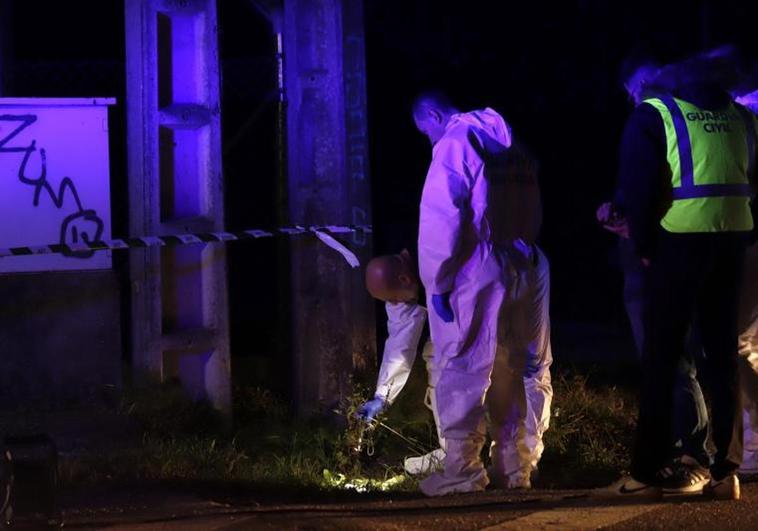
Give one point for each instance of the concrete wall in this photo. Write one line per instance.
(60, 336)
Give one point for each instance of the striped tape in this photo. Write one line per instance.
(173, 240)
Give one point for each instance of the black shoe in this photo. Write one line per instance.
(683, 476)
(628, 487)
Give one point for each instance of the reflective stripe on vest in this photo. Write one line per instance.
(710, 187)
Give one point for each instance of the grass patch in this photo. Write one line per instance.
(590, 433)
(269, 450)
(177, 439)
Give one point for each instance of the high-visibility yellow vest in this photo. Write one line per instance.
(711, 154)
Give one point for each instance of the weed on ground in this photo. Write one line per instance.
(590, 432)
(267, 450)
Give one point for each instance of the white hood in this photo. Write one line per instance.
(488, 122)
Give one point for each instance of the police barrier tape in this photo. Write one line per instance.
(322, 232)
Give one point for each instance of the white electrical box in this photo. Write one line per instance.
(54, 180)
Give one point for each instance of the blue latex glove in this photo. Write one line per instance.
(441, 305)
(371, 409)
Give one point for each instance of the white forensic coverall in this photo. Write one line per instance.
(748, 341)
(405, 323)
(467, 248)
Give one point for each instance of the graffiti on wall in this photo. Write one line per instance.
(81, 225)
(54, 181)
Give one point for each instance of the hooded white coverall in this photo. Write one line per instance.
(467, 248)
(748, 341)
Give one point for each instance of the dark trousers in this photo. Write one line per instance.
(694, 279)
(689, 421)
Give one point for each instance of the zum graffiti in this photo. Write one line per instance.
(83, 225)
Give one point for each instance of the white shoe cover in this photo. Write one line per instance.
(519, 481)
(424, 464)
(463, 472)
(515, 480)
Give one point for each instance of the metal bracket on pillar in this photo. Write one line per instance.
(185, 116)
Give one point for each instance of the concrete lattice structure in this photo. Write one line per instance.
(179, 295)
(179, 301)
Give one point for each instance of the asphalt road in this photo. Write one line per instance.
(491, 510)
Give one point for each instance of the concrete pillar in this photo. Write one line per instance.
(179, 295)
(333, 332)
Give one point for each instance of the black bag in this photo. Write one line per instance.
(34, 460)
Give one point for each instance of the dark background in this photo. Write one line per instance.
(551, 69)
